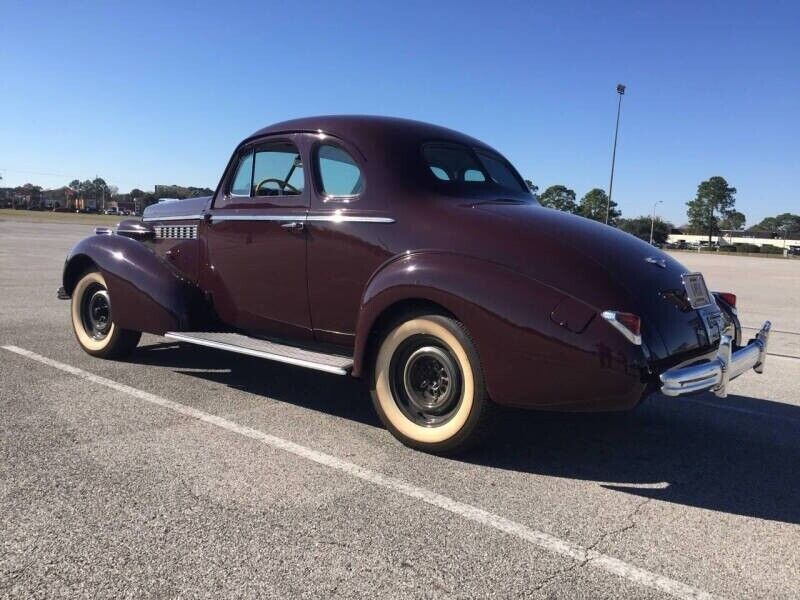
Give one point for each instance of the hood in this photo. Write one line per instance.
(190, 208)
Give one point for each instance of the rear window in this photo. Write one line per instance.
(461, 164)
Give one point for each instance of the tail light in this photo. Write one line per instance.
(627, 324)
(728, 298)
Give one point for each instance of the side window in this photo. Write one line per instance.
(243, 177)
(338, 172)
(278, 171)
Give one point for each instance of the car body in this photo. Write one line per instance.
(369, 240)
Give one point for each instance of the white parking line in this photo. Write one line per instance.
(588, 557)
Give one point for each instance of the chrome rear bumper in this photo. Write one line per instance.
(715, 374)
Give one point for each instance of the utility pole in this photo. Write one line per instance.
(621, 92)
(653, 220)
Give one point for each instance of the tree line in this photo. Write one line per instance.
(592, 205)
(711, 212)
(93, 192)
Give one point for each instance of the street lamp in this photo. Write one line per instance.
(621, 92)
(653, 220)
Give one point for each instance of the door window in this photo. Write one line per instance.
(278, 171)
(339, 175)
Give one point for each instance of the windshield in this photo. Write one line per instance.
(463, 165)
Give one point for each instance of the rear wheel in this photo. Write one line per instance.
(428, 386)
(93, 323)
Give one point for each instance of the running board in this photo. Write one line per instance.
(242, 344)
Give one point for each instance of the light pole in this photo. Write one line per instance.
(621, 92)
(653, 220)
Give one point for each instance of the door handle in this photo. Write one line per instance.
(293, 225)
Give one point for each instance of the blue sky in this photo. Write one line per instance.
(144, 93)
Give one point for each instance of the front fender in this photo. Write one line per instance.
(147, 293)
(527, 357)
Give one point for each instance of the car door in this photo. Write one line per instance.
(256, 241)
(350, 232)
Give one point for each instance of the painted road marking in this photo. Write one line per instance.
(551, 543)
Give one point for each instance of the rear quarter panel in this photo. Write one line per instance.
(528, 359)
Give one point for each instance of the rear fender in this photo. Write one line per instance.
(147, 293)
(528, 357)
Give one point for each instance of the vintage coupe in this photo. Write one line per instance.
(416, 258)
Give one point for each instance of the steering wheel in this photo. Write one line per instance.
(283, 185)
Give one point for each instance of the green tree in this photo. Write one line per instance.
(713, 196)
(593, 206)
(532, 186)
(148, 198)
(559, 197)
(640, 227)
(87, 189)
(733, 220)
(786, 224)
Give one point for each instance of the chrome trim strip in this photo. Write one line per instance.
(715, 374)
(257, 353)
(314, 218)
(217, 218)
(349, 219)
(173, 218)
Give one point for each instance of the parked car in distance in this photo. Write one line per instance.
(793, 251)
(415, 258)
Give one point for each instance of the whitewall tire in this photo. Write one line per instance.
(92, 320)
(428, 386)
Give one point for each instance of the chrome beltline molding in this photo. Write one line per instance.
(303, 218)
(349, 219)
(312, 218)
(174, 218)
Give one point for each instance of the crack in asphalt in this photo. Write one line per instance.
(579, 564)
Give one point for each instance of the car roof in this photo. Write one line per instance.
(366, 130)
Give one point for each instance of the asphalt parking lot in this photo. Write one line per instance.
(193, 472)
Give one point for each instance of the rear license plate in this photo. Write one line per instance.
(696, 290)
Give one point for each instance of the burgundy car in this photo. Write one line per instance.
(416, 258)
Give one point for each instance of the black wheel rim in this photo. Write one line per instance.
(96, 311)
(426, 381)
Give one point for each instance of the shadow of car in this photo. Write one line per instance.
(738, 455)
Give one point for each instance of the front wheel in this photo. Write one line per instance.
(93, 323)
(428, 385)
